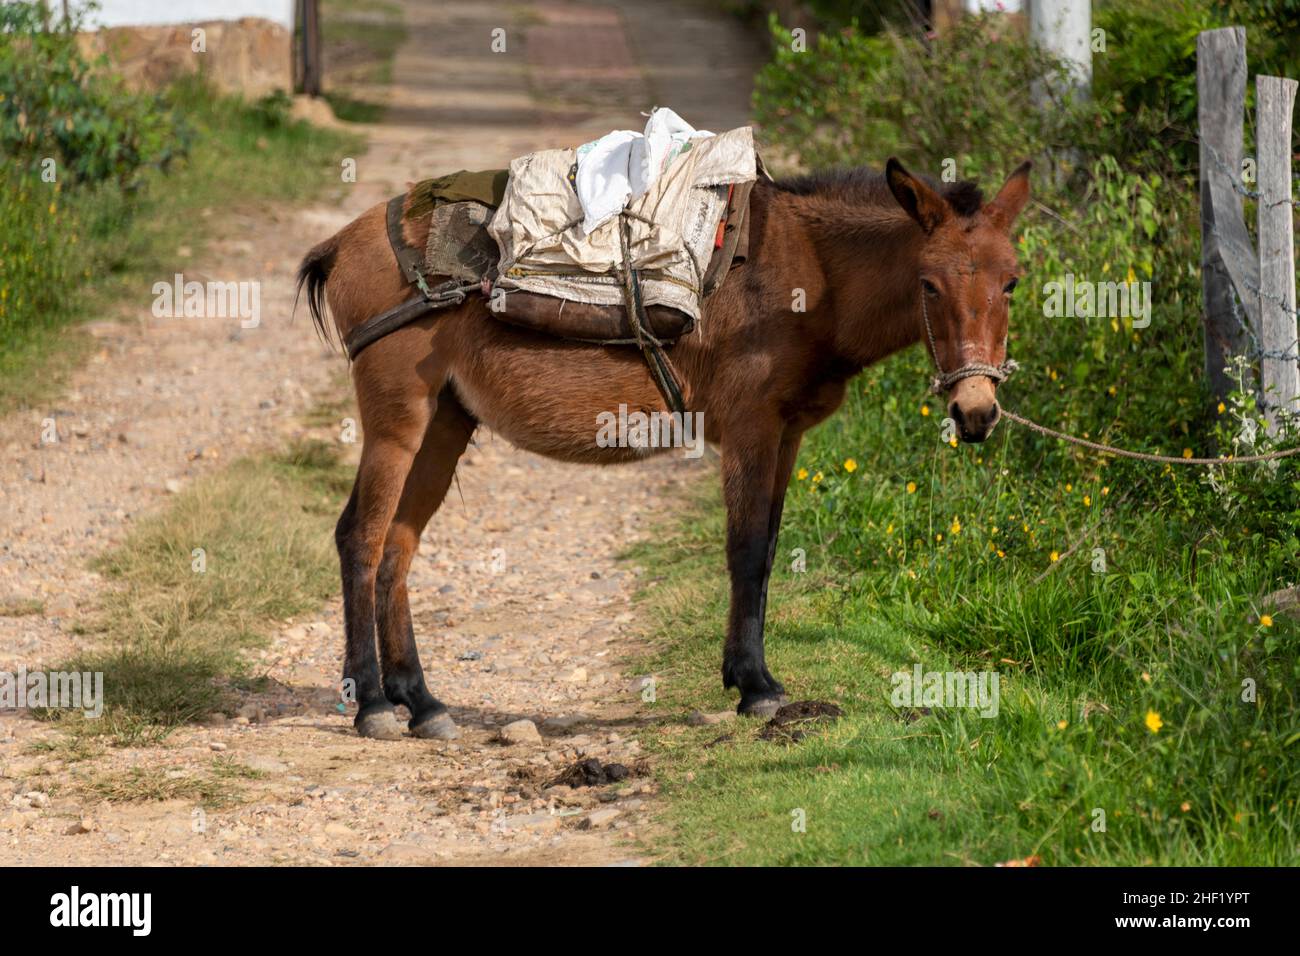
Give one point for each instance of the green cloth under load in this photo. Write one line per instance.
(486, 186)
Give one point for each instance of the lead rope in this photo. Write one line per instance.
(1143, 456)
(1000, 373)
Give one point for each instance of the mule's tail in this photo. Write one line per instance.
(312, 276)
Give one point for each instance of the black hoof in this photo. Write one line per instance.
(437, 726)
(378, 725)
(763, 707)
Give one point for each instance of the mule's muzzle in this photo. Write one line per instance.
(975, 422)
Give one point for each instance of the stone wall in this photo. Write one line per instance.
(251, 56)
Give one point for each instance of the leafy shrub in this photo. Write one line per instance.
(855, 98)
(54, 104)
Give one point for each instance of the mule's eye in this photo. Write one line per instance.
(1010, 287)
(930, 288)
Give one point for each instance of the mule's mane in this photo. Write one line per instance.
(862, 185)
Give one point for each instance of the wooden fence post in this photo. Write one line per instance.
(307, 57)
(1279, 373)
(1226, 253)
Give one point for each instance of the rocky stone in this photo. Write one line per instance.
(562, 724)
(536, 822)
(520, 732)
(600, 818)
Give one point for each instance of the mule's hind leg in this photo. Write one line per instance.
(426, 486)
(391, 442)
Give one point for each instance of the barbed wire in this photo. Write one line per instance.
(1242, 188)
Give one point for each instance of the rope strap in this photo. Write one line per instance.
(1143, 456)
(999, 373)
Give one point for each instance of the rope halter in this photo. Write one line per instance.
(946, 380)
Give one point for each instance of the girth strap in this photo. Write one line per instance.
(652, 350)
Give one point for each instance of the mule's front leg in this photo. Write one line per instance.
(754, 479)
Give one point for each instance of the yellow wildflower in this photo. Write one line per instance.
(1153, 722)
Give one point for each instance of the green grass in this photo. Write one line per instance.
(170, 639)
(1172, 628)
(360, 40)
(148, 783)
(95, 250)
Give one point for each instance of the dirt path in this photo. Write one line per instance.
(521, 609)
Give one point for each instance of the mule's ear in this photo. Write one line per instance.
(921, 202)
(1011, 198)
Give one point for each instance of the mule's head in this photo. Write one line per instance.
(968, 270)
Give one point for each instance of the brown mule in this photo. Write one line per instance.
(843, 270)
